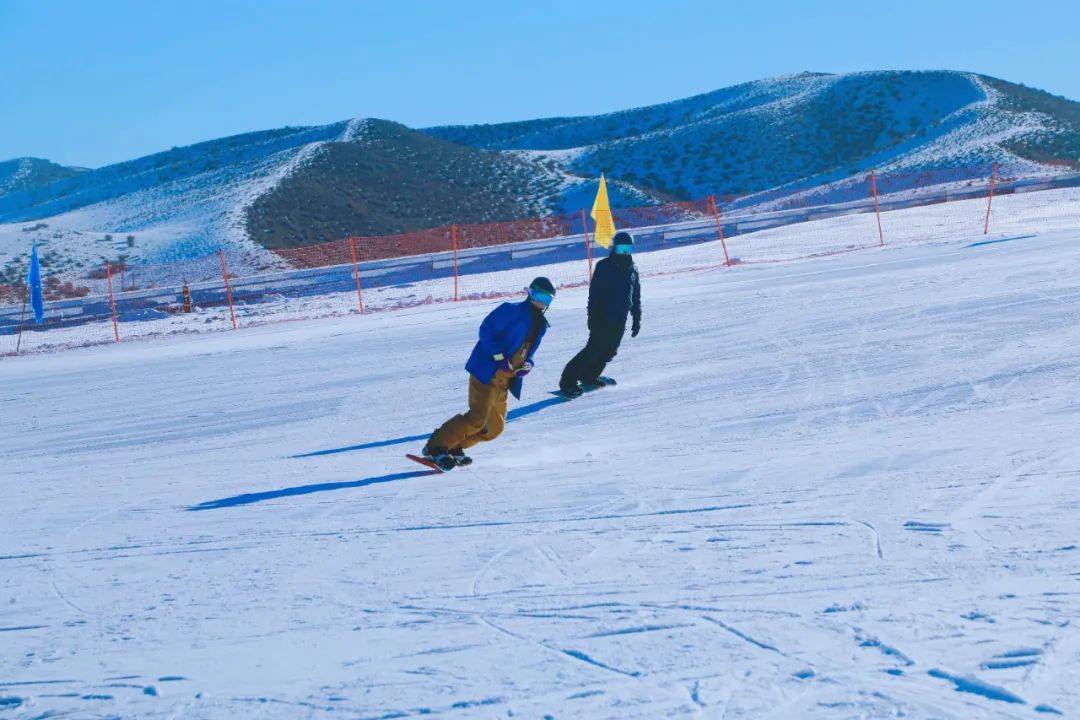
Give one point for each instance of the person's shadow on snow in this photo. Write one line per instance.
(249, 498)
(511, 416)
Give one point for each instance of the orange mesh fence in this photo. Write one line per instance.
(470, 261)
(420, 242)
(674, 236)
(498, 259)
(853, 189)
(348, 276)
(406, 270)
(78, 311)
(77, 308)
(950, 202)
(958, 203)
(115, 302)
(974, 178)
(335, 252)
(670, 213)
(999, 205)
(474, 236)
(944, 204)
(762, 233)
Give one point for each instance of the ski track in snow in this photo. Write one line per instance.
(837, 488)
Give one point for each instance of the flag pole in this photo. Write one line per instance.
(22, 318)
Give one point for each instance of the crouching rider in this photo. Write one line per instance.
(509, 338)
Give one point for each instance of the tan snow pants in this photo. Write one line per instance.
(485, 418)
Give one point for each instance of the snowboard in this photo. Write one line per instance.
(429, 464)
(604, 382)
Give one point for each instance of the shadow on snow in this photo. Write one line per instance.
(249, 498)
(511, 416)
(363, 446)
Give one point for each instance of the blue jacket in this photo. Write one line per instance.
(502, 333)
(614, 292)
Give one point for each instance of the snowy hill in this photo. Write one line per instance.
(182, 203)
(1060, 141)
(807, 129)
(277, 188)
(27, 173)
(830, 489)
(390, 179)
(300, 185)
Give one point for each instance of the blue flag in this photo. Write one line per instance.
(33, 280)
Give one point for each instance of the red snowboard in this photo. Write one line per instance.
(425, 462)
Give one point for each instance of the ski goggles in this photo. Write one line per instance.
(624, 249)
(541, 297)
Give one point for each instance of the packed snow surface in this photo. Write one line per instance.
(845, 487)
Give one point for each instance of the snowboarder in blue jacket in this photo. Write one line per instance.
(503, 355)
(614, 293)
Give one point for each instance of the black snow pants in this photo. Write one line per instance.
(601, 347)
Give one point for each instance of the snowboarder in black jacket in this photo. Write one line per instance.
(614, 293)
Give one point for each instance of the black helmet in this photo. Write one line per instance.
(622, 238)
(543, 285)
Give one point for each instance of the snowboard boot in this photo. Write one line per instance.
(439, 456)
(573, 391)
(460, 458)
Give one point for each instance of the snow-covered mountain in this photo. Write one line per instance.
(388, 178)
(294, 186)
(807, 129)
(29, 172)
(281, 188)
(177, 204)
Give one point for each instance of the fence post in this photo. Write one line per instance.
(588, 244)
(228, 287)
(719, 228)
(112, 302)
(990, 199)
(22, 318)
(453, 241)
(877, 208)
(356, 273)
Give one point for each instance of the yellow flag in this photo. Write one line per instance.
(601, 215)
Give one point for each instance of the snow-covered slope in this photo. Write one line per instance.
(25, 173)
(801, 130)
(280, 188)
(179, 204)
(389, 179)
(300, 185)
(831, 489)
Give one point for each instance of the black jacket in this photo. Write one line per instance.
(615, 291)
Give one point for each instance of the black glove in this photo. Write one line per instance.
(635, 328)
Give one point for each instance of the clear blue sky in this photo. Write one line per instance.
(98, 81)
